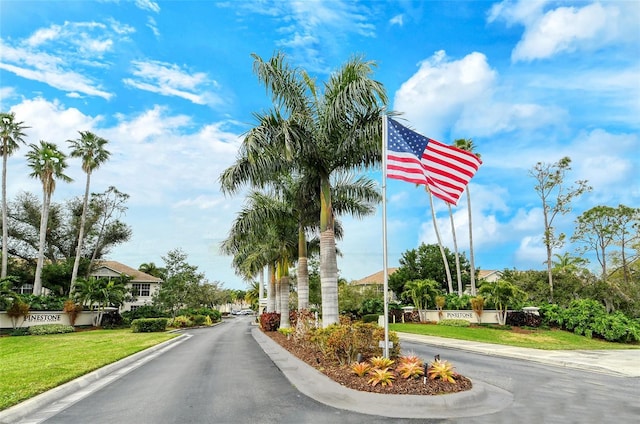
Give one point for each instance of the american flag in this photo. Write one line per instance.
(412, 157)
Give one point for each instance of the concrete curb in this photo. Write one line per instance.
(481, 400)
(29, 406)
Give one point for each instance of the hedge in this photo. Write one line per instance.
(149, 325)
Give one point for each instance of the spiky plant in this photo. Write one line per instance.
(441, 370)
(410, 369)
(360, 368)
(383, 376)
(381, 362)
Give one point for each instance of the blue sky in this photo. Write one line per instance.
(170, 85)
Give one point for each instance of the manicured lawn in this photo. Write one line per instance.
(538, 339)
(30, 365)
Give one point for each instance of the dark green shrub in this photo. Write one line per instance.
(581, 314)
(146, 311)
(198, 320)
(455, 302)
(39, 330)
(44, 303)
(552, 315)
(616, 327)
(149, 325)
(270, 321)
(370, 318)
(523, 319)
(214, 314)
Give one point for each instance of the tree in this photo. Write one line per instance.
(102, 292)
(556, 199)
(420, 292)
(467, 144)
(445, 262)
(111, 205)
(425, 263)
(335, 129)
(182, 280)
(90, 148)
(152, 269)
(501, 294)
(47, 164)
(12, 135)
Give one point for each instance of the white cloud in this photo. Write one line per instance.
(567, 29)
(169, 80)
(397, 20)
(149, 5)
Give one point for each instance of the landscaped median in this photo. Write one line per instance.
(34, 364)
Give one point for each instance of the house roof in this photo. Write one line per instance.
(118, 268)
(489, 274)
(376, 278)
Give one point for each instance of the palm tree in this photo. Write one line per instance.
(152, 269)
(442, 252)
(90, 148)
(335, 129)
(455, 249)
(467, 144)
(47, 164)
(12, 135)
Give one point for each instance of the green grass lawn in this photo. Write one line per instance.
(538, 339)
(30, 365)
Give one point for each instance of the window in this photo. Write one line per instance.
(141, 289)
(24, 289)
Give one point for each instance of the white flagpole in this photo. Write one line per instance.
(384, 237)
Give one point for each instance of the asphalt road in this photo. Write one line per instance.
(545, 394)
(221, 375)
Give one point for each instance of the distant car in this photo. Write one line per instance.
(246, 312)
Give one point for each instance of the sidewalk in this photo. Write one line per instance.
(621, 363)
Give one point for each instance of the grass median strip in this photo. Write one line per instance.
(537, 338)
(31, 365)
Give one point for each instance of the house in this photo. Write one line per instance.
(143, 286)
(374, 280)
(490, 276)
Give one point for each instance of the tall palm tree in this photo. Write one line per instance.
(12, 135)
(90, 148)
(440, 245)
(455, 249)
(152, 269)
(467, 144)
(47, 164)
(335, 127)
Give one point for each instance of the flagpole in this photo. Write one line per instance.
(384, 237)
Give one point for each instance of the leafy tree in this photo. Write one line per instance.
(47, 164)
(11, 133)
(90, 148)
(425, 263)
(152, 269)
(109, 229)
(314, 130)
(556, 199)
(181, 282)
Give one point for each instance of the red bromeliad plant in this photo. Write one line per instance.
(360, 368)
(442, 370)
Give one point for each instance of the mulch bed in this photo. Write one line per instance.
(344, 376)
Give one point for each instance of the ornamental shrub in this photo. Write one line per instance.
(198, 320)
(581, 314)
(370, 318)
(616, 327)
(39, 330)
(270, 321)
(149, 325)
(523, 319)
(182, 321)
(454, 322)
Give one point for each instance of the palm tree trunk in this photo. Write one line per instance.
(328, 261)
(444, 256)
(271, 289)
(44, 218)
(303, 271)
(471, 255)
(5, 231)
(260, 289)
(83, 218)
(284, 302)
(455, 248)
